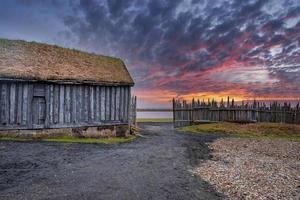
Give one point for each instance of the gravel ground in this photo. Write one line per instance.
(253, 169)
(156, 166)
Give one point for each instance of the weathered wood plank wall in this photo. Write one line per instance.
(66, 105)
(185, 114)
(132, 111)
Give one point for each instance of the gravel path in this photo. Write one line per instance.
(156, 166)
(245, 168)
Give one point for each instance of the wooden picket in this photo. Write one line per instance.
(185, 114)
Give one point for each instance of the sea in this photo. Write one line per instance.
(152, 114)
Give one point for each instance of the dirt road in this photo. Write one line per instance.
(156, 166)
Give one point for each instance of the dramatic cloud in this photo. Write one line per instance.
(191, 48)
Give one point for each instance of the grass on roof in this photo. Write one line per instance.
(46, 47)
(257, 130)
(38, 61)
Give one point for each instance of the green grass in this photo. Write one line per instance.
(15, 139)
(257, 130)
(4, 42)
(154, 120)
(73, 140)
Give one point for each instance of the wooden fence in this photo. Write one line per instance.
(185, 114)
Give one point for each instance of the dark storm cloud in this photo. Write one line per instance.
(104, 18)
(176, 44)
(293, 12)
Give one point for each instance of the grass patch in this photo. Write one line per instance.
(15, 139)
(257, 130)
(74, 140)
(154, 120)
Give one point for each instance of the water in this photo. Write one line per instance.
(154, 115)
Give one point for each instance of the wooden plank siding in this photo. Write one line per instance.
(102, 101)
(67, 105)
(25, 104)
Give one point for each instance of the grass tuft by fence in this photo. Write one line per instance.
(197, 111)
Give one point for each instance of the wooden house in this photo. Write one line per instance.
(47, 87)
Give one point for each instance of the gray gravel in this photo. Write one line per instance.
(247, 168)
(156, 166)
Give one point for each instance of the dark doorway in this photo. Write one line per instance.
(39, 112)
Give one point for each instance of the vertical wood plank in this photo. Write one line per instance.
(95, 103)
(74, 104)
(107, 101)
(12, 103)
(117, 110)
(82, 103)
(86, 104)
(4, 103)
(126, 104)
(61, 103)
(97, 108)
(51, 103)
(91, 102)
(47, 111)
(56, 99)
(29, 107)
(67, 104)
(25, 104)
(100, 103)
(102, 93)
(19, 103)
(121, 104)
(113, 103)
(79, 104)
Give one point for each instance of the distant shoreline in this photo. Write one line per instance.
(154, 110)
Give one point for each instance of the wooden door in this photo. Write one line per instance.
(39, 112)
(39, 106)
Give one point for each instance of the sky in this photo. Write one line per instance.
(176, 48)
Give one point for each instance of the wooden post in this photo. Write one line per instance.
(192, 111)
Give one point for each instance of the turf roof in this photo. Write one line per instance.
(36, 61)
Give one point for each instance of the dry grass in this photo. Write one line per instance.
(31, 60)
(257, 130)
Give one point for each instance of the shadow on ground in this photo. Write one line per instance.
(155, 166)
